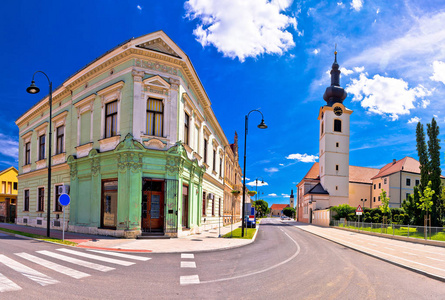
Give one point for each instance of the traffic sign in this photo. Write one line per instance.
(64, 199)
(359, 210)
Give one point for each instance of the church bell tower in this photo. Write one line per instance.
(334, 140)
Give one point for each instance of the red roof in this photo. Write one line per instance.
(279, 206)
(313, 173)
(407, 164)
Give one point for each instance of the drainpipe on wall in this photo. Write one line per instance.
(400, 199)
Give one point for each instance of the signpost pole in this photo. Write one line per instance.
(63, 226)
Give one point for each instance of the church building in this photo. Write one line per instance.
(332, 181)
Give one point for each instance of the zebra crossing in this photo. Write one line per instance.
(47, 260)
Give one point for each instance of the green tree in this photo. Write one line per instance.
(423, 156)
(426, 202)
(415, 214)
(261, 207)
(434, 170)
(289, 212)
(384, 208)
(342, 211)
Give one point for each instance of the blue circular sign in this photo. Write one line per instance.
(64, 199)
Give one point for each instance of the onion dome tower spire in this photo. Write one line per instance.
(335, 93)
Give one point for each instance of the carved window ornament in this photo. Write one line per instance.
(110, 94)
(156, 85)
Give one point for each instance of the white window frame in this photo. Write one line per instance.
(59, 120)
(84, 106)
(110, 94)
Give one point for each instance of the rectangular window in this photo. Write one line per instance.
(205, 150)
(374, 186)
(380, 185)
(85, 128)
(27, 153)
(408, 182)
(186, 128)
(337, 144)
(337, 125)
(109, 204)
(57, 206)
(220, 166)
(407, 195)
(41, 200)
(60, 136)
(417, 182)
(384, 180)
(42, 147)
(197, 139)
(15, 185)
(374, 199)
(336, 167)
(214, 160)
(379, 198)
(9, 188)
(26, 200)
(111, 119)
(203, 203)
(155, 117)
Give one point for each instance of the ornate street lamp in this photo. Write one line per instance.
(256, 184)
(33, 89)
(262, 125)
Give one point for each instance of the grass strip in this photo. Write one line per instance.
(402, 231)
(39, 237)
(236, 234)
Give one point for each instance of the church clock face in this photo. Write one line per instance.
(338, 111)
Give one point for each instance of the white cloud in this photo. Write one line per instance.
(414, 120)
(9, 146)
(247, 178)
(377, 11)
(271, 170)
(359, 69)
(385, 95)
(139, 7)
(316, 51)
(282, 165)
(241, 29)
(345, 71)
(438, 71)
(436, 116)
(425, 103)
(303, 157)
(357, 4)
(285, 195)
(340, 3)
(272, 195)
(253, 183)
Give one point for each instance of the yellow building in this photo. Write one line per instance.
(8, 194)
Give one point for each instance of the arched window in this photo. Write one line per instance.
(337, 125)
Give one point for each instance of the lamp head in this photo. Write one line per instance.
(262, 181)
(33, 89)
(262, 125)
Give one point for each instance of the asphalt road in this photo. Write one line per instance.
(284, 262)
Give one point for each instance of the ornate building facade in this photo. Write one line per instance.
(136, 143)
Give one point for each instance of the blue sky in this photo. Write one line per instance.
(253, 54)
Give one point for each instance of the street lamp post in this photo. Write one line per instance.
(262, 125)
(256, 185)
(33, 89)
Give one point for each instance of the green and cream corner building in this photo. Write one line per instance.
(135, 144)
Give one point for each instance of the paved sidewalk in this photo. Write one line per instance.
(206, 241)
(424, 259)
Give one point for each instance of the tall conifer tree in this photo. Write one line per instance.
(434, 169)
(423, 156)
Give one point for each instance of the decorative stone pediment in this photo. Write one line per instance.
(155, 143)
(177, 149)
(129, 144)
(158, 45)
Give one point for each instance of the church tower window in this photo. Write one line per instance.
(337, 125)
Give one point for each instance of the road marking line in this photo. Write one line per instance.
(434, 258)
(26, 271)
(97, 257)
(76, 261)
(53, 266)
(188, 264)
(7, 285)
(264, 270)
(409, 253)
(388, 248)
(193, 279)
(187, 255)
(123, 255)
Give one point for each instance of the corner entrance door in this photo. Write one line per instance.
(152, 211)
